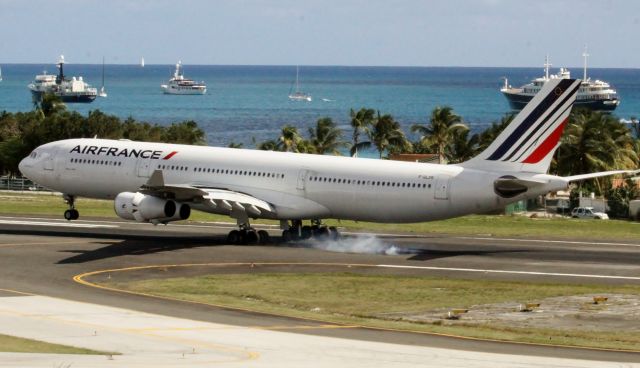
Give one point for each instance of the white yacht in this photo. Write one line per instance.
(179, 85)
(593, 94)
(298, 95)
(102, 92)
(69, 90)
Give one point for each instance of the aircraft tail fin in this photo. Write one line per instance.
(530, 140)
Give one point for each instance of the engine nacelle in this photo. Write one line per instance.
(182, 212)
(145, 208)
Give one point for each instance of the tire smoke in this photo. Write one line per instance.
(363, 244)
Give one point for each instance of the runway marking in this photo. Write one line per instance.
(511, 272)
(207, 225)
(549, 241)
(266, 328)
(54, 223)
(17, 292)
(80, 279)
(43, 243)
(42, 221)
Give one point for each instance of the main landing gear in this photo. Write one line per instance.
(247, 235)
(71, 213)
(296, 231)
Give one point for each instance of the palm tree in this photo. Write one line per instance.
(487, 136)
(387, 135)
(361, 121)
(305, 146)
(268, 145)
(463, 148)
(326, 137)
(289, 139)
(592, 142)
(50, 104)
(440, 134)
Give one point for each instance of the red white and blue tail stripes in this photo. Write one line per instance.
(528, 143)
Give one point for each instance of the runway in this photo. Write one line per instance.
(40, 256)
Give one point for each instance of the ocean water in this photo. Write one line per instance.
(247, 104)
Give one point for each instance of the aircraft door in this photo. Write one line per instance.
(302, 179)
(442, 187)
(144, 168)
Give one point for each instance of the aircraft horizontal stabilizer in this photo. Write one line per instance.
(598, 175)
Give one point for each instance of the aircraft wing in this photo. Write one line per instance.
(216, 200)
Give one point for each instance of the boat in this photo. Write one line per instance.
(298, 95)
(0, 74)
(179, 85)
(142, 62)
(593, 94)
(68, 90)
(102, 92)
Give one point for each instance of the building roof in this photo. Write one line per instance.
(414, 157)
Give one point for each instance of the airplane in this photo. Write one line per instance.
(160, 183)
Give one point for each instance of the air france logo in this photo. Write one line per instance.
(121, 152)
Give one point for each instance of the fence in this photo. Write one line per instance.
(7, 183)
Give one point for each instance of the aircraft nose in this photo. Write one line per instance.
(23, 167)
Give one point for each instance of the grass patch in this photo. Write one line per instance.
(502, 226)
(369, 300)
(12, 344)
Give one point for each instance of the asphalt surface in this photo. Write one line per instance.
(42, 255)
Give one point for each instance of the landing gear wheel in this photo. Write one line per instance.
(322, 233)
(71, 214)
(251, 237)
(333, 233)
(233, 237)
(263, 237)
(306, 232)
(287, 236)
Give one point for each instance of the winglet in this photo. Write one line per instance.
(156, 179)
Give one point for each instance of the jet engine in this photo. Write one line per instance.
(146, 208)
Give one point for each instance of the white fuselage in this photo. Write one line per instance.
(299, 186)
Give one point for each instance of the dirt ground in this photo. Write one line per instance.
(620, 312)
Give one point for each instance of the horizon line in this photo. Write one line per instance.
(323, 65)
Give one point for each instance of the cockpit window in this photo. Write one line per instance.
(33, 154)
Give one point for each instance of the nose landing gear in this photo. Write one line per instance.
(71, 213)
